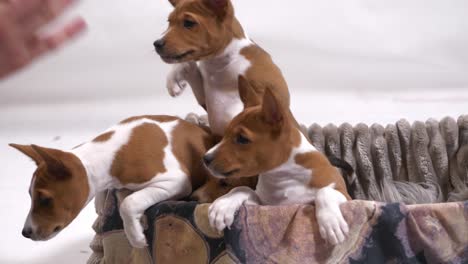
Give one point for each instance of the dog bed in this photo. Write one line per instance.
(413, 176)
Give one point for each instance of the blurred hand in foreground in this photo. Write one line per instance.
(20, 38)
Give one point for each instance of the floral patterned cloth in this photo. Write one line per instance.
(178, 232)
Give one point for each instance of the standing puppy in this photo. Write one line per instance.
(210, 50)
(265, 140)
(158, 157)
(206, 31)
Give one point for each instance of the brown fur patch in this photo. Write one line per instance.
(159, 118)
(189, 145)
(263, 73)
(215, 188)
(142, 157)
(323, 173)
(104, 137)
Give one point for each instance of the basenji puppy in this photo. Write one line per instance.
(210, 50)
(264, 140)
(207, 32)
(157, 157)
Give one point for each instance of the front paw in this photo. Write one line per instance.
(175, 87)
(180, 77)
(333, 228)
(221, 214)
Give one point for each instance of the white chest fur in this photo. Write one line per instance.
(220, 75)
(288, 183)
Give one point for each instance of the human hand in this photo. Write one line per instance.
(20, 23)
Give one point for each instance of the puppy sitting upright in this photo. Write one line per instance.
(207, 32)
(158, 157)
(265, 140)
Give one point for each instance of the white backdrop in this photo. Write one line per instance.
(345, 61)
(319, 44)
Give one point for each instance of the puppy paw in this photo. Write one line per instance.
(203, 120)
(175, 87)
(333, 228)
(192, 118)
(221, 213)
(179, 78)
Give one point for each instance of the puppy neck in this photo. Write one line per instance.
(235, 40)
(287, 183)
(285, 169)
(97, 182)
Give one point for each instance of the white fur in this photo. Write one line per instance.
(287, 184)
(222, 211)
(97, 158)
(332, 225)
(219, 75)
(213, 149)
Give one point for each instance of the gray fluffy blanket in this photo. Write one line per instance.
(402, 162)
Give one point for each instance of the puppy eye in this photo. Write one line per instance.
(241, 140)
(44, 201)
(189, 24)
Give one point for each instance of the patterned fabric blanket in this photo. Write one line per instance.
(178, 232)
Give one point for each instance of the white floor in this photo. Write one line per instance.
(66, 125)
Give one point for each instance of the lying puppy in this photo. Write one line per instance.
(265, 140)
(158, 157)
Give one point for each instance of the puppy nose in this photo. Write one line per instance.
(159, 44)
(207, 159)
(27, 232)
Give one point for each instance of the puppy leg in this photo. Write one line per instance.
(222, 212)
(133, 207)
(184, 74)
(333, 227)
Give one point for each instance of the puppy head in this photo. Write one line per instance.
(197, 29)
(215, 188)
(259, 139)
(59, 190)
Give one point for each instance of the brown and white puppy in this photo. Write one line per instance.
(211, 50)
(157, 157)
(266, 141)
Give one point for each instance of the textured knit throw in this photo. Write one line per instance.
(418, 163)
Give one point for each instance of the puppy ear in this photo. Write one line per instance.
(174, 2)
(55, 166)
(219, 7)
(247, 94)
(28, 151)
(272, 109)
